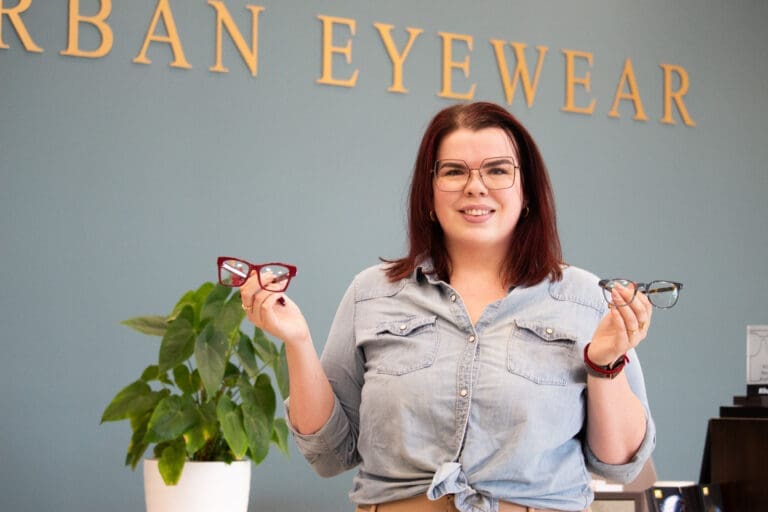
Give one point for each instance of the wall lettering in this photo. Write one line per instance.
(224, 20)
(329, 22)
(14, 16)
(397, 58)
(98, 21)
(336, 38)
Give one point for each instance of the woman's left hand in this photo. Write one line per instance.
(623, 328)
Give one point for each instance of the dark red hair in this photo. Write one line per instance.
(534, 252)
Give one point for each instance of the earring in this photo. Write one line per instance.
(526, 211)
(432, 216)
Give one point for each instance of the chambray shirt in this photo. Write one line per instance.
(426, 402)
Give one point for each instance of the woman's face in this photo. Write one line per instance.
(476, 216)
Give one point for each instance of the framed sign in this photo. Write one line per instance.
(757, 355)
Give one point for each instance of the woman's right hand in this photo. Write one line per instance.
(274, 312)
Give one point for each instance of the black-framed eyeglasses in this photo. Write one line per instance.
(661, 294)
(496, 173)
(275, 276)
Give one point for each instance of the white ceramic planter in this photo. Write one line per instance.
(203, 487)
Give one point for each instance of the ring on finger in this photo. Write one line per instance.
(641, 326)
(246, 308)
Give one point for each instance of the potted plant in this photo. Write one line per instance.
(207, 398)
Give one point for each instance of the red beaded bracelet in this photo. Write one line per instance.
(607, 372)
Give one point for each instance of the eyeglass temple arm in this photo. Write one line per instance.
(643, 287)
(675, 286)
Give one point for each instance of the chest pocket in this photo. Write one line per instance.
(406, 345)
(544, 354)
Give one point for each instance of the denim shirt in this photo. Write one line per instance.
(426, 402)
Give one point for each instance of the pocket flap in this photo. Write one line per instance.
(406, 326)
(547, 332)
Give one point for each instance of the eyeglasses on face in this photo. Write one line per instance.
(496, 173)
(661, 294)
(275, 277)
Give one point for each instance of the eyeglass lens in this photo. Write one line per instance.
(235, 273)
(662, 294)
(274, 278)
(496, 173)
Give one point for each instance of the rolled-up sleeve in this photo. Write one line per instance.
(330, 450)
(333, 449)
(625, 473)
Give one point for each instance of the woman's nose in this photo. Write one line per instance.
(475, 184)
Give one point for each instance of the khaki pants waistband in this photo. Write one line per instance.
(445, 504)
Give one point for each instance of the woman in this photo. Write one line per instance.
(457, 377)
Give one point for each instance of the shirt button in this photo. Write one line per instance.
(463, 392)
(471, 339)
(550, 330)
(403, 327)
(453, 297)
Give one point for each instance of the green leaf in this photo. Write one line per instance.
(183, 379)
(230, 317)
(188, 299)
(173, 416)
(231, 419)
(153, 325)
(171, 462)
(137, 446)
(133, 400)
(231, 374)
(280, 367)
(179, 341)
(234, 337)
(209, 421)
(202, 293)
(258, 432)
(280, 435)
(258, 414)
(211, 358)
(197, 383)
(265, 349)
(276, 359)
(194, 439)
(194, 299)
(158, 450)
(150, 373)
(247, 356)
(265, 395)
(206, 429)
(214, 302)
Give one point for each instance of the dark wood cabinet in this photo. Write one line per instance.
(736, 458)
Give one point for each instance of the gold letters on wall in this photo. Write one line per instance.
(456, 82)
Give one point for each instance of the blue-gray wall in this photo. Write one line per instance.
(120, 183)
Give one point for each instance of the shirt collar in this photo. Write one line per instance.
(425, 269)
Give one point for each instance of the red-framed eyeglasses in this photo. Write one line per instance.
(275, 276)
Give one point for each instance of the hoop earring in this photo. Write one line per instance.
(432, 216)
(526, 211)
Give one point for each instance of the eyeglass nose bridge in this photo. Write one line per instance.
(480, 176)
